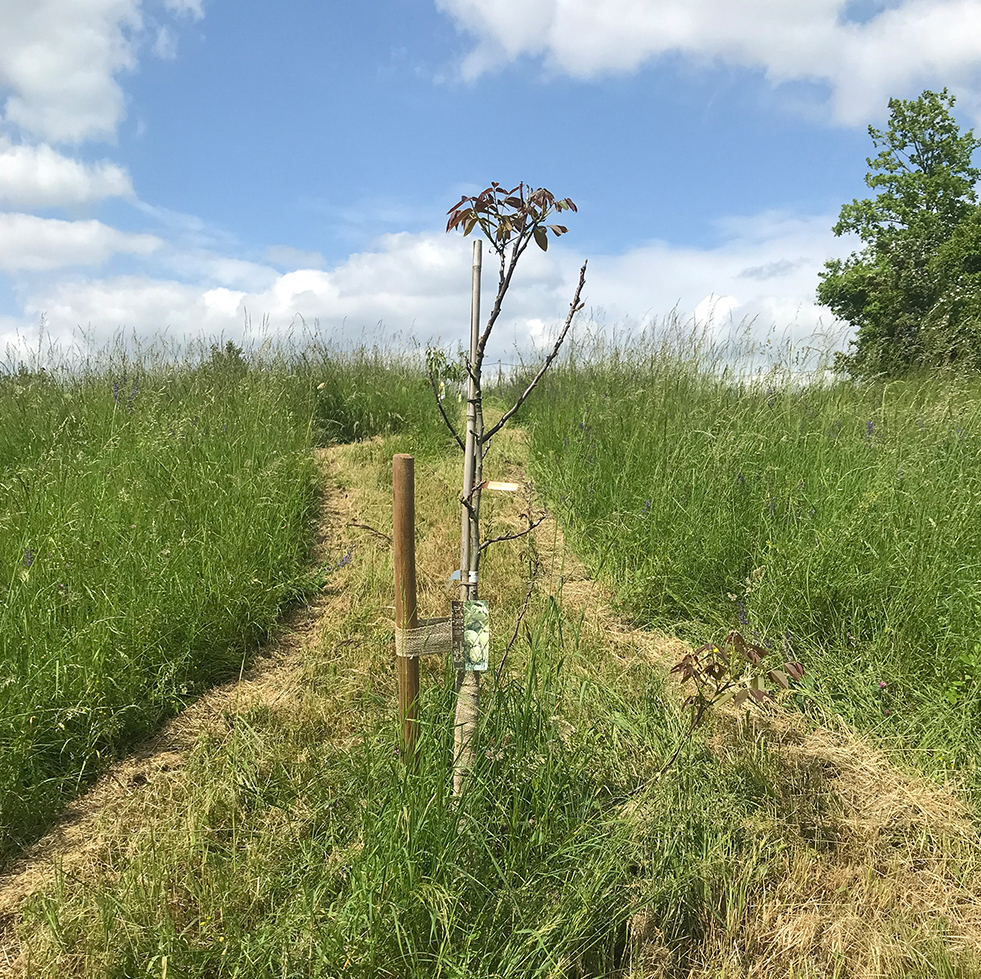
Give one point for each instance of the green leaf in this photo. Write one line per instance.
(541, 238)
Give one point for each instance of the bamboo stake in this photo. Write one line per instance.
(406, 617)
(468, 681)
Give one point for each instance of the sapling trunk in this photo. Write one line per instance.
(510, 223)
(468, 681)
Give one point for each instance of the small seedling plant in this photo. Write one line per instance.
(510, 220)
(734, 670)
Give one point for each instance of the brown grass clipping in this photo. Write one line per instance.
(876, 872)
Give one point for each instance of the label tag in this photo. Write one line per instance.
(476, 636)
(493, 484)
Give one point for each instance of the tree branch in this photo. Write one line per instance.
(364, 526)
(515, 536)
(521, 243)
(439, 404)
(514, 635)
(574, 308)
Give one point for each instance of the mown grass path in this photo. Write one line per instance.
(270, 830)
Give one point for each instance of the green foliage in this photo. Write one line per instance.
(151, 529)
(840, 524)
(155, 519)
(366, 392)
(911, 291)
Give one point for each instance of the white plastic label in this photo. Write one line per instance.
(476, 635)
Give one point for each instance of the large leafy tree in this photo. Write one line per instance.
(911, 291)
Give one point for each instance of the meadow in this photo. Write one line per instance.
(156, 520)
(837, 523)
(830, 521)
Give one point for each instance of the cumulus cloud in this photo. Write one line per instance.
(764, 269)
(34, 244)
(418, 285)
(60, 59)
(865, 52)
(59, 62)
(38, 176)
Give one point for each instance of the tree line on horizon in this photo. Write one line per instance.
(913, 291)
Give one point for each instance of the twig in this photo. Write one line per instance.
(439, 404)
(514, 635)
(364, 526)
(630, 793)
(574, 308)
(503, 283)
(515, 536)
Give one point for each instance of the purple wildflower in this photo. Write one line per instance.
(741, 612)
(28, 556)
(345, 561)
(869, 428)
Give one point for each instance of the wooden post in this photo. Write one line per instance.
(404, 539)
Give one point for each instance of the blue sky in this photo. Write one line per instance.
(189, 164)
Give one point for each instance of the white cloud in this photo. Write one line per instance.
(30, 243)
(59, 62)
(895, 47)
(165, 44)
(60, 58)
(713, 309)
(190, 7)
(38, 176)
(764, 267)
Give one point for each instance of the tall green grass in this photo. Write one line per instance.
(837, 521)
(156, 517)
(295, 843)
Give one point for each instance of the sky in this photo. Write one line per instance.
(204, 168)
